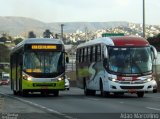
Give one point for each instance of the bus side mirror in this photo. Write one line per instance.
(154, 52)
(67, 59)
(105, 53)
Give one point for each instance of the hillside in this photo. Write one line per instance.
(21, 26)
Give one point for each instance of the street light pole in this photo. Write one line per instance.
(144, 18)
(62, 31)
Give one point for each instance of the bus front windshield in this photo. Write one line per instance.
(133, 60)
(49, 63)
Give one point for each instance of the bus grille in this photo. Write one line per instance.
(43, 84)
(129, 82)
(131, 87)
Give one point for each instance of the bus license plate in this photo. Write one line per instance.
(131, 90)
(127, 78)
(44, 87)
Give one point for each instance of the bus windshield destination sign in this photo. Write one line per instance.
(45, 47)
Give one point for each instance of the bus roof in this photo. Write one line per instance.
(118, 41)
(129, 41)
(38, 41)
(42, 41)
(103, 40)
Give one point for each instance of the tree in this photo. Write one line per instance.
(18, 40)
(31, 34)
(47, 34)
(4, 53)
(5, 37)
(155, 41)
(158, 36)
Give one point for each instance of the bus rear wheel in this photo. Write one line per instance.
(88, 91)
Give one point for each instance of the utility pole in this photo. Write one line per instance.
(62, 31)
(143, 18)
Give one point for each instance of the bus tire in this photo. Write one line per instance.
(86, 91)
(15, 92)
(140, 94)
(43, 93)
(102, 92)
(24, 93)
(93, 92)
(56, 93)
(154, 90)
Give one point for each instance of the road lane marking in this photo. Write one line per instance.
(152, 108)
(40, 106)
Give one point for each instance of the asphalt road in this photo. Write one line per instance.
(73, 104)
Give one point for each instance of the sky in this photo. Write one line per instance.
(83, 10)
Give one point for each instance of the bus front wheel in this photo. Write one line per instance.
(56, 93)
(15, 92)
(102, 92)
(24, 93)
(140, 94)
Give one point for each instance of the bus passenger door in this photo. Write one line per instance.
(19, 72)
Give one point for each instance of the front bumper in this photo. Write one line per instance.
(132, 87)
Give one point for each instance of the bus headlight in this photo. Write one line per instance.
(112, 79)
(149, 79)
(28, 78)
(60, 78)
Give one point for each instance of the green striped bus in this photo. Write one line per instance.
(38, 65)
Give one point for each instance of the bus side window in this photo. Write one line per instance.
(86, 54)
(91, 53)
(94, 54)
(83, 55)
(102, 50)
(98, 53)
(77, 55)
(80, 56)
